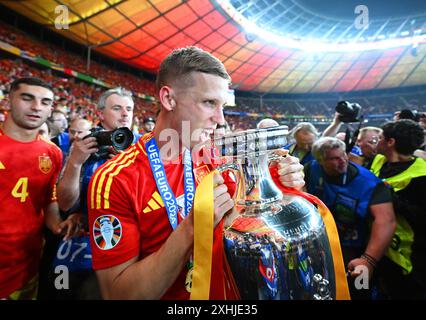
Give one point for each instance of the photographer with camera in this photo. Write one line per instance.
(115, 110)
(89, 150)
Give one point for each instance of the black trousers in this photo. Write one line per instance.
(395, 285)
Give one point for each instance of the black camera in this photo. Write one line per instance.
(349, 112)
(119, 139)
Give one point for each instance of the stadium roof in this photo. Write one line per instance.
(283, 46)
(335, 21)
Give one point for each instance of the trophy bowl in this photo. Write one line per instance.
(276, 244)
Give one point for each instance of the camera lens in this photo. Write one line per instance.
(120, 138)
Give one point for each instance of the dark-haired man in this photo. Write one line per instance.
(404, 269)
(405, 114)
(29, 167)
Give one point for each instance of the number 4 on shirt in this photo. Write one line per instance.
(20, 190)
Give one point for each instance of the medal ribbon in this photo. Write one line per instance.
(163, 186)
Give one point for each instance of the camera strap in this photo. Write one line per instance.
(350, 140)
(163, 186)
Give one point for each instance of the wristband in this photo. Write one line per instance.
(372, 261)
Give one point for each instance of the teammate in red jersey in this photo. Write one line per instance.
(140, 202)
(29, 167)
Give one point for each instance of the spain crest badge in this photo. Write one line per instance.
(44, 163)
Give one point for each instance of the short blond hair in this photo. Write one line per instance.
(183, 61)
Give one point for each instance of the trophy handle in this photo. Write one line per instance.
(226, 167)
(273, 156)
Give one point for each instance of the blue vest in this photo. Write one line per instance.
(89, 168)
(64, 143)
(348, 203)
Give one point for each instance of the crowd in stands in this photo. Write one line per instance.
(325, 156)
(75, 62)
(75, 95)
(325, 107)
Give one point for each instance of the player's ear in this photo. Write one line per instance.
(167, 99)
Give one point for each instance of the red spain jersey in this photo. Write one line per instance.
(28, 174)
(123, 195)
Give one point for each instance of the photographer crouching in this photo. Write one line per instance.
(89, 150)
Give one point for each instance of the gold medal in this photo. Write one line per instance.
(188, 280)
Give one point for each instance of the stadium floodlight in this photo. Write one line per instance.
(317, 45)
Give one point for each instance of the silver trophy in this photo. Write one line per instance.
(276, 244)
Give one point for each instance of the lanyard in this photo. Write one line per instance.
(163, 186)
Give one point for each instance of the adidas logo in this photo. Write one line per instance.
(154, 203)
